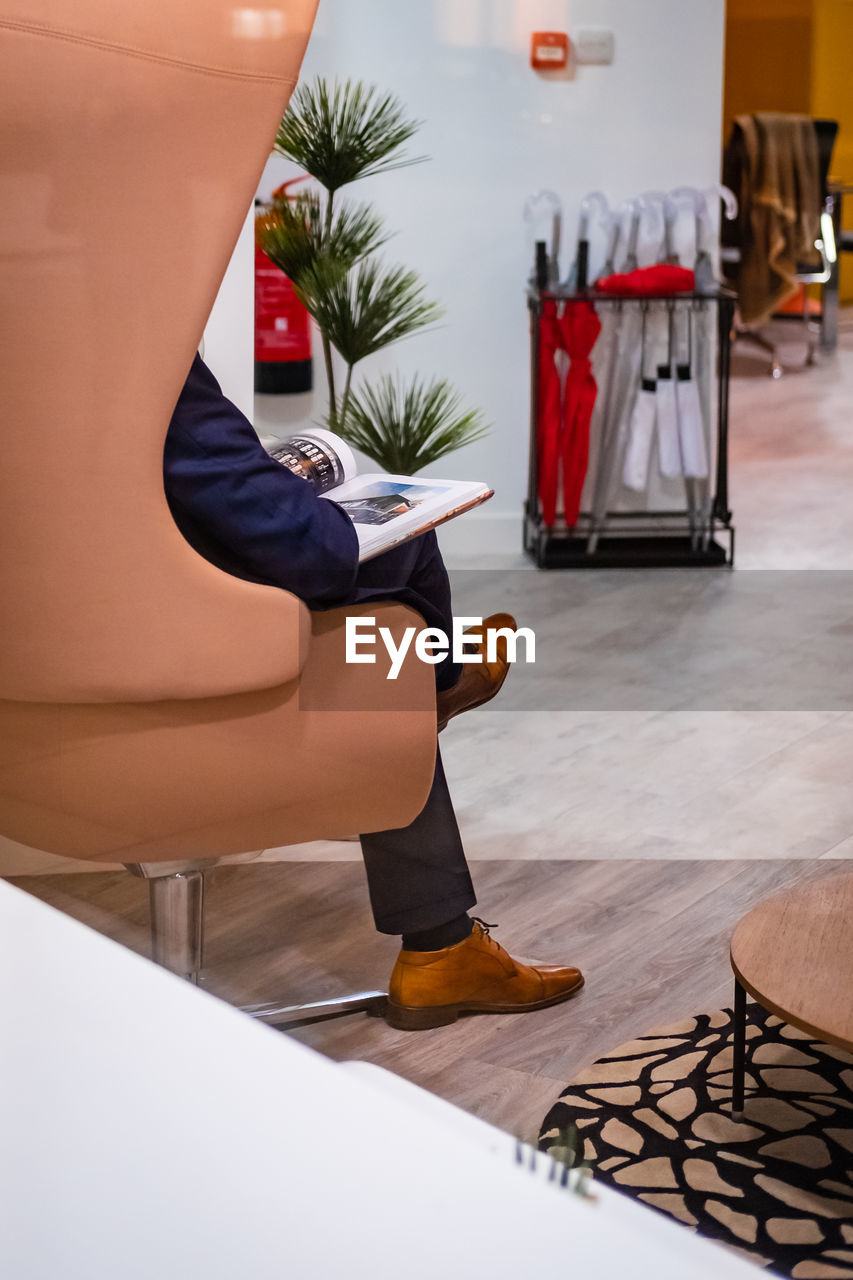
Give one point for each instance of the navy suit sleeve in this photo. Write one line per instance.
(268, 523)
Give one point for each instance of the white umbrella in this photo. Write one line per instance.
(635, 208)
(641, 428)
(578, 277)
(641, 437)
(683, 407)
(669, 442)
(623, 385)
(545, 209)
(694, 384)
(669, 436)
(614, 235)
(622, 380)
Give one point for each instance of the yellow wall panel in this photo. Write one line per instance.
(768, 57)
(832, 97)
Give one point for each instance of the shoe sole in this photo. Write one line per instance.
(411, 1018)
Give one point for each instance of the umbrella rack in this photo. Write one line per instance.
(626, 532)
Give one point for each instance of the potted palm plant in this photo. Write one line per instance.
(327, 246)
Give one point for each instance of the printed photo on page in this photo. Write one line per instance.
(385, 510)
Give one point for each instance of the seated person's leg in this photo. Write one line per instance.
(252, 517)
(449, 964)
(417, 875)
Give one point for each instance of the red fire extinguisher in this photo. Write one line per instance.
(282, 329)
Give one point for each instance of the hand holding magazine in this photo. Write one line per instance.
(385, 510)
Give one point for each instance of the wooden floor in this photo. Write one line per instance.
(651, 936)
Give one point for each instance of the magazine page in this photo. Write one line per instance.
(387, 510)
(318, 456)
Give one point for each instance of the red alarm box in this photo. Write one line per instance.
(549, 51)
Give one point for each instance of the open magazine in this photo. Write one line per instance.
(385, 510)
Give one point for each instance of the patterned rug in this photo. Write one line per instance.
(654, 1120)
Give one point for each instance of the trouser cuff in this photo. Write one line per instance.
(415, 919)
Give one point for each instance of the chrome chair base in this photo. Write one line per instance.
(275, 1015)
(176, 898)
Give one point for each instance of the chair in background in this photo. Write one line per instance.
(737, 235)
(154, 710)
(830, 319)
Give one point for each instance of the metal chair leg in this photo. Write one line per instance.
(177, 917)
(739, 1052)
(830, 296)
(176, 896)
(811, 331)
(278, 1015)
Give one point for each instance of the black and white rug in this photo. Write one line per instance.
(654, 1119)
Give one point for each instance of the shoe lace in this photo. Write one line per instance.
(485, 928)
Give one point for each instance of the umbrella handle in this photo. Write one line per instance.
(727, 196)
(700, 215)
(640, 207)
(631, 260)
(704, 244)
(614, 235)
(541, 265)
(582, 266)
(578, 277)
(670, 218)
(594, 198)
(543, 203)
(654, 199)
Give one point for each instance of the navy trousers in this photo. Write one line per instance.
(417, 876)
(250, 516)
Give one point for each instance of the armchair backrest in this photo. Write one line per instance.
(133, 138)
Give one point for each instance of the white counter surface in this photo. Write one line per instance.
(151, 1132)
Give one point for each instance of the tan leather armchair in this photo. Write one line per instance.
(155, 710)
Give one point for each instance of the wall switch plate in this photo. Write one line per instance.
(594, 46)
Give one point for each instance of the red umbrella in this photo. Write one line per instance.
(548, 410)
(564, 414)
(662, 277)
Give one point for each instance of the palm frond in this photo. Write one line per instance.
(292, 233)
(356, 231)
(405, 428)
(367, 308)
(344, 131)
(289, 232)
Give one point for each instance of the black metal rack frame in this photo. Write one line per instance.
(635, 538)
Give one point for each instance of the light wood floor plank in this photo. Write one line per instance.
(652, 938)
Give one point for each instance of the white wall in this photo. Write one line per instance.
(497, 131)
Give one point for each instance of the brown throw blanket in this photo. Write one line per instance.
(771, 163)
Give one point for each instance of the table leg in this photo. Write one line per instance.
(739, 1052)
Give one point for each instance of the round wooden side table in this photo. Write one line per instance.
(794, 955)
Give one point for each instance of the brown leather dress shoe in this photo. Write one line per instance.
(480, 681)
(432, 988)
